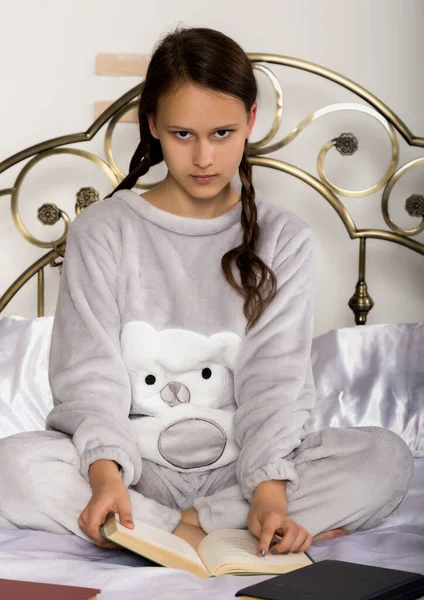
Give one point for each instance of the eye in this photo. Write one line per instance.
(182, 138)
(223, 131)
(150, 379)
(206, 373)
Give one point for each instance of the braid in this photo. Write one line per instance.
(147, 154)
(244, 255)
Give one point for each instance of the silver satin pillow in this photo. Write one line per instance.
(25, 395)
(368, 375)
(371, 375)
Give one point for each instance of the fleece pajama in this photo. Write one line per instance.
(150, 366)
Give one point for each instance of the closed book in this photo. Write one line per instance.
(336, 580)
(11, 589)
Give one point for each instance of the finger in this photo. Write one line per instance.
(300, 538)
(287, 539)
(306, 544)
(125, 514)
(274, 541)
(267, 535)
(96, 518)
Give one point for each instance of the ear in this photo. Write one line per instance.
(152, 126)
(252, 118)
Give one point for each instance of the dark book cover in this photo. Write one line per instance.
(11, 589)
(336, 580)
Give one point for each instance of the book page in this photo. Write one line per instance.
(238, 546)
(160, 538)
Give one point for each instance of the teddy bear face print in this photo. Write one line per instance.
(173, 367)
(183, 394)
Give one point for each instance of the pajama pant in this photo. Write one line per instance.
(348, 477)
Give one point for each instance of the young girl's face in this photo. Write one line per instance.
(202, 132)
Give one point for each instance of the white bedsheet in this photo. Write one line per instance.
(398, 543)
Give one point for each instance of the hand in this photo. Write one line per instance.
(267, 519)
(110, 495)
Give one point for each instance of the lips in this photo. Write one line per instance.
(203, 178)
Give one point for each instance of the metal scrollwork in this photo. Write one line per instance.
(414, 204)
(49, 215)
(346, 144)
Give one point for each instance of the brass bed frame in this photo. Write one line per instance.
(346, 143)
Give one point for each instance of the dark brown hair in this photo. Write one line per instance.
(208, 58)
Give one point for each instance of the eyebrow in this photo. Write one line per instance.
(214, 129)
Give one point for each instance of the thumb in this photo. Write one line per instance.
(125, 514)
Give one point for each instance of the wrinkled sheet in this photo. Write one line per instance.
(397, 543)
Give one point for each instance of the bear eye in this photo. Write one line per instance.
(150, 379)
(206, 373)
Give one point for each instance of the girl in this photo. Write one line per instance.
(180, 357)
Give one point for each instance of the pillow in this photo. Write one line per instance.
(365, 375)
(25, 395)
(371, 375)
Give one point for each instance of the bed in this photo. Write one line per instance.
(365, 374)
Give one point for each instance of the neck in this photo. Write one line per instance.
(170, 196)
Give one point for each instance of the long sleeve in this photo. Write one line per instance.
(89, 381)
(274, 388)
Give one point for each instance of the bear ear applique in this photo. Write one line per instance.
(229, 347)
(177, 350)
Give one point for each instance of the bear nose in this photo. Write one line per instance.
(175, 393)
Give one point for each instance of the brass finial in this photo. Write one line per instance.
(361, 303)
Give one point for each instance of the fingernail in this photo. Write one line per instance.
(262, 552)
(131, 522)
(286, 551)
(274, 551)
(296, 551)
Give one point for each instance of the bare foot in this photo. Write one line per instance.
(327, 535)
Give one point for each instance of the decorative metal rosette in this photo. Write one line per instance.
(346, 143)
(414, 205)
(49, 214)
(87, 196)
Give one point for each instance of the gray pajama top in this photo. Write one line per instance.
(149, 359)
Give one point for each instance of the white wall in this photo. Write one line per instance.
(48, 88)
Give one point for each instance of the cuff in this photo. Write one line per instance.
(281, 470)
(129, 472)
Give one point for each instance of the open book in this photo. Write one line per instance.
(222, 552)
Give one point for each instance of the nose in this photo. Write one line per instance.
(203, 154)
(175, 393)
